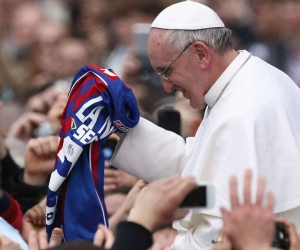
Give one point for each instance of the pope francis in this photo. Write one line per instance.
(252, 120)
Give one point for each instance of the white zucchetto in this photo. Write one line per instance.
(187, 15)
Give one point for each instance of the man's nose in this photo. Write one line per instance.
(168, 86)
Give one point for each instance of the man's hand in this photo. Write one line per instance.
(23, 127)
(34, 220)
(249, 226)
(8, 244)
(115, 179)
(122, 213)
(40, 157)
(39, 240)
(103, 234)
(56, 111)
(43, 101)
(165, 196)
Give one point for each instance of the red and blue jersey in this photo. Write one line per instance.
(98, 104)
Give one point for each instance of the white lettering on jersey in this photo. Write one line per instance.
(80, 132)
(108, 128)
(93, 115)
(87, 137)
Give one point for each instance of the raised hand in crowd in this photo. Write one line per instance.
(37, 241)
(43, 101)
(34, 220)
(56, 111)
(165, 196)
(115, 180)
(122, 213)
(40, 156)
(103, 234)
(249, 225)
(24, 126)
(8, 244)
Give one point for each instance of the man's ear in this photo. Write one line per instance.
(203, 53)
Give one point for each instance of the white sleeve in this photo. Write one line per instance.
(150, 152)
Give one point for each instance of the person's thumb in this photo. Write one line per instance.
(56, 237)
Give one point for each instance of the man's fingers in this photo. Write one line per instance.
(36, 118)
(233, 192)
(39, 215)
(109, 188)
(33, 241)
(99, 237)
(247, 187)
(42, 239)
(138, 186)
(110, 181)
(44, 146)
(111, 173)
(108, 236)
(270, 201)
(260, 191)
(33, 145)
(182, 187)
(54, 141)
(56, 237)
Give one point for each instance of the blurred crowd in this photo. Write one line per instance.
(43, 43)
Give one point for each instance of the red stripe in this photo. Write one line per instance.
(79, 85)
(95, 161)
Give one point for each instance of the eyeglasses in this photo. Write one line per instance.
(163, 74)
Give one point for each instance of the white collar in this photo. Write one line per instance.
(217, 88)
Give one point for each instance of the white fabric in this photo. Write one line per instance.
(187, 15)
(253, 122)
(13, 234)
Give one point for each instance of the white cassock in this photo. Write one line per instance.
(252, 121)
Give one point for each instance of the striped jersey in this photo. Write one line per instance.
(98, 104)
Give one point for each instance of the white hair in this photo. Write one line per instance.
(217, 38)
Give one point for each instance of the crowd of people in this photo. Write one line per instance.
(42, 46)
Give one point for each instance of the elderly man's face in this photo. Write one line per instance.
(183, 73)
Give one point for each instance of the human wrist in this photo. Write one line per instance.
(139, 217)
(34, 179)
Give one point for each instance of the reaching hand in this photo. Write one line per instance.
(249, 226)
(34, 220)
(55, 112)
(39, 240)
(23, 127)
(165, 196)
(115, 179)
(122, 213)
(103, 234)
(40, 156)
(43, 101)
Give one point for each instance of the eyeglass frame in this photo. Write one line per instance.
(162, 74)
